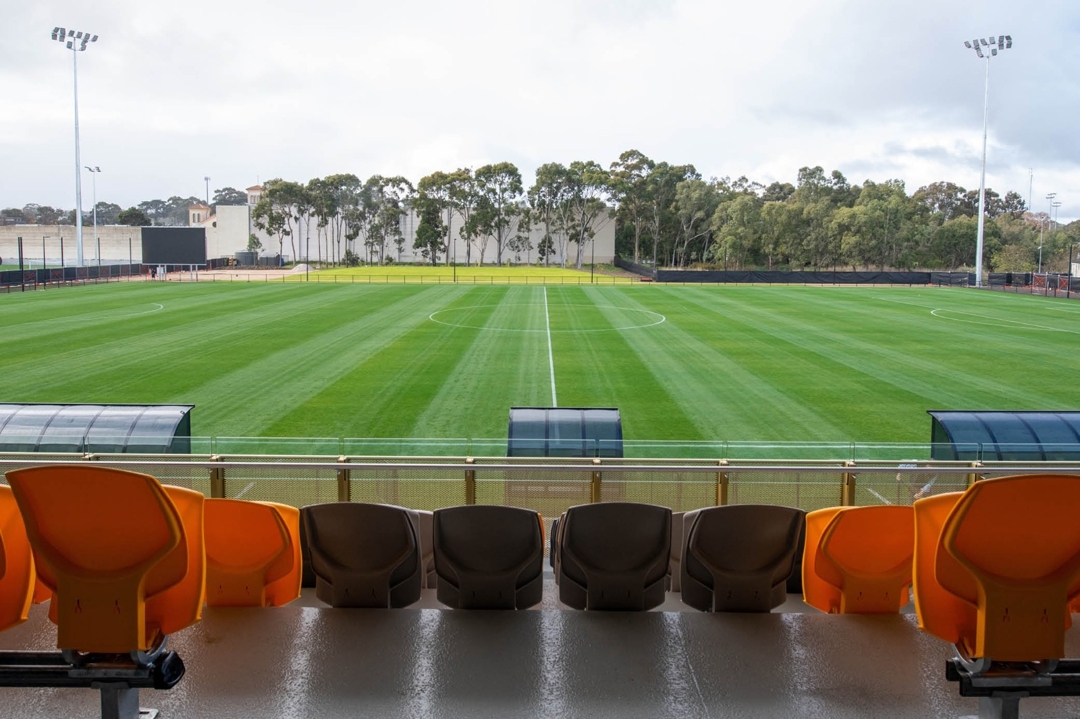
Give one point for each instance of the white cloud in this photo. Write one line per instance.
(238, 91)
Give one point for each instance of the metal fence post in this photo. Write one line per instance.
(594, 486)
(973, 477)
(344, 486)
(722, 485)
(470, 482)
(217, 479)
(847, 491)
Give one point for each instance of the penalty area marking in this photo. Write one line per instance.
(995, 321)
(656, 318)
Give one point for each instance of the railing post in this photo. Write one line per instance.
(217, 479)
(470, 482)
(722, 485)
(973, 477)
(847, 491)
(344, 486)
(594, 486)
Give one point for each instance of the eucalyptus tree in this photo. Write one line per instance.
(548, 199)
(443, 192)
(430, 233)
(695, 204)
(388, 202)
(589, 186)
(499, 208)
(737, 229)
(662, 184)
(273, 212)
(630, 192)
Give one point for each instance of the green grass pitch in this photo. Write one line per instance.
(691, 363)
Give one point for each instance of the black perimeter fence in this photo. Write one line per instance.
(817, 277)
(11, 280)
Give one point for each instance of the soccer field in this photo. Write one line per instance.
(691, 363)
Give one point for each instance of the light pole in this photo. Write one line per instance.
(93, 177)
(207, 180)
(992, 46)
(76, 42)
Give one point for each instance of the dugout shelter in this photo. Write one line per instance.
(1026, 436)
(564, 432)
(96, 428)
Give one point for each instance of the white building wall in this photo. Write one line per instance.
(114, 241)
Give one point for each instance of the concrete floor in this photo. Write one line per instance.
(306, 660)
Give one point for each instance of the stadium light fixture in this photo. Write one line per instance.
(985, 49)
(93, 176)
(76, 42)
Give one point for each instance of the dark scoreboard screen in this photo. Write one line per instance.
(174, 245)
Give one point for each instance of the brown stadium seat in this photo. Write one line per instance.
(614, 556)
(249, 548)
(107, 542)
(364, 555)
(17, 575)
(488, 557)
(738, 558)
(857, 560)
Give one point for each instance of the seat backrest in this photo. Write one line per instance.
(488, 557)
(287, 588)
(1020, 539)
(363, 555)
(738, 558)
(17, 576)
(614, 555)
(940, 612)
(248, 548)
(97, 533)
(866, 553)
(817, 592)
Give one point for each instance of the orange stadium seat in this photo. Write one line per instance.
(17, 576)
(249, 547)
(860, 559)
(106, 542)
(287, 588)
(1016, 546)
(940, 612)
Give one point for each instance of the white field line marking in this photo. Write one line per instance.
(245, 490)
(996, 321)
(551, 357)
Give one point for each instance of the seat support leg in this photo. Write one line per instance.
(1003, 705)
(120, 701)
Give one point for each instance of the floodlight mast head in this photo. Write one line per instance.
(993, 45)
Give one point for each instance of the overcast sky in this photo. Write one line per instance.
(245, 91)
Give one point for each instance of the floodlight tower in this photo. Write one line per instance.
(93, 176)
(985, 49)
(76, 42)
(207, 180)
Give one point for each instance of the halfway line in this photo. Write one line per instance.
(551, 358)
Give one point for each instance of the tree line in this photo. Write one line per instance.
(665, 215)
(490, 209)
(172, 212)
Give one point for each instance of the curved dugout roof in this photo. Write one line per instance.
(98, 428)
(564, 432)
(1005, 436)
